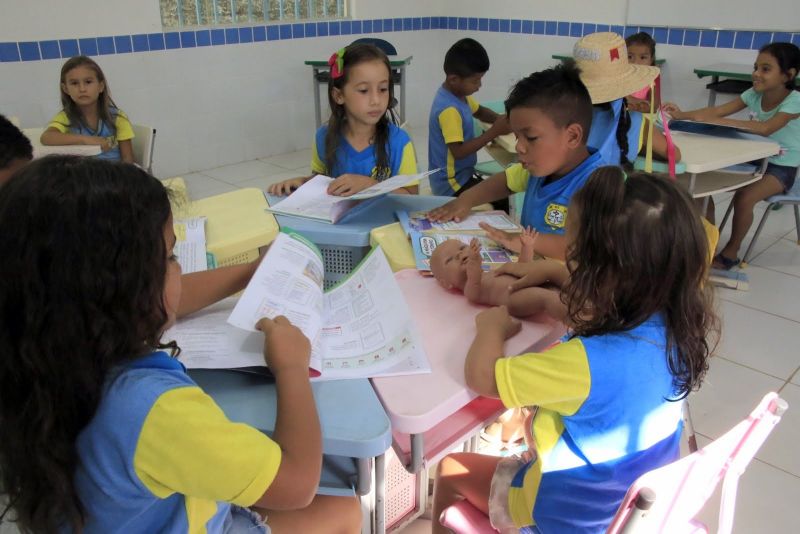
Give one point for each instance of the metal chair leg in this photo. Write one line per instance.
(725, 218)
(797, 222)
(758, 232)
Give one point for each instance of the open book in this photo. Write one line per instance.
(312, 200)
(418, 221)
(361, 328)
(492, 253)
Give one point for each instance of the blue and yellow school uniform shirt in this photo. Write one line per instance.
(122, 131)
(603, 133)
(545, 205)
(399, 149)
(160, 456)
(450, 121)
(787, 137)
(603, 421)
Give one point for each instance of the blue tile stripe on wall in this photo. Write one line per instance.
(188, 38)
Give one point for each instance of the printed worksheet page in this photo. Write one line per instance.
(190, 244)
(288, 282)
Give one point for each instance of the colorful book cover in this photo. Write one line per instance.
(423, 245)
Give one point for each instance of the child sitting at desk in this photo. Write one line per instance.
(642, 51)
(102, 430)
(452, 142)
(610, 395)
(359, 146)
(89, 115)
(15, 149)
(458, 266)
(774, 105)
(551, 113)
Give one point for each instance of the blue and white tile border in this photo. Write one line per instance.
(126, 44)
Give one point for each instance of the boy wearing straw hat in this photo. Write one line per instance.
(550, 112)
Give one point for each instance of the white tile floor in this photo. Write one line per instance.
(759, 350)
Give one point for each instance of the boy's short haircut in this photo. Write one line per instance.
(557, 92)
(465, 58)
(13, 144)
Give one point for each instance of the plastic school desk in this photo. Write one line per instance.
(236, 225)
(355, 429)
(702, 154)
(344, 244)
(431, 413)
(320, 75)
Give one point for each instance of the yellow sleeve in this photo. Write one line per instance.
(712, 235)
(60, 122)
(123, 126)
(188, 446)
(317, 167)
(408, 161)
(557, 379)
(451, 125)
(517, 178)
(473, 104)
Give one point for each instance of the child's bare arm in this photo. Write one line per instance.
(472, 289)
(528, 242)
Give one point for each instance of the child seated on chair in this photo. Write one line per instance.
(609, 396)
(453, 143)
(458, 266)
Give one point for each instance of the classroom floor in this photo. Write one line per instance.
(758, 351)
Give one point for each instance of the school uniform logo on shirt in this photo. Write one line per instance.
(555, 215)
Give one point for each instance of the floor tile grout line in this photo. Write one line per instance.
(734, 362)
(759, 310)
(789, 380)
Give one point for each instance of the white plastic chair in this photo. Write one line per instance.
(143, 146)
(791, 198)
(667, 499)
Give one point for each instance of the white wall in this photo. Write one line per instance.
(218, 105)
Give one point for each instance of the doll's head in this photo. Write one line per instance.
(449, 263)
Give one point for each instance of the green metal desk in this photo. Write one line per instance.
(320, 75)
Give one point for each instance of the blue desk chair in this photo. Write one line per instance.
(791, 198)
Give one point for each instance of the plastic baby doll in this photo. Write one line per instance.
(458, 266)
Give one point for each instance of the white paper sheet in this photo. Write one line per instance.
(190, 246)
(313, 201)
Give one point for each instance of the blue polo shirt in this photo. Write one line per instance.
(603, 420)
(545, 206)
(450, 121)
(399, 149)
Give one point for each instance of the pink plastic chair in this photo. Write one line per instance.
(667, 499)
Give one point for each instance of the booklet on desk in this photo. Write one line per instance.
(311, 200)
(361, 328)
(418, 221)
(492, 253)
(702, 127)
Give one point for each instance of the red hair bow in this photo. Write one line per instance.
(336, 62)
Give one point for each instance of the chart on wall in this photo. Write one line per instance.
(768, 15)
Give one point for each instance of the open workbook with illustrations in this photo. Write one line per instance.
(425, 235)
(361, 328)
(311, 200)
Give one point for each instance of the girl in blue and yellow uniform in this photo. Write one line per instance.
(609, 396)
(101, 430)
(359, 146)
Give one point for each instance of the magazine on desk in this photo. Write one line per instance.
(418, 221)
(361, 328)
(492, 253)
(311, 200)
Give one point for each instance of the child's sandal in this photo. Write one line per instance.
(726, 264)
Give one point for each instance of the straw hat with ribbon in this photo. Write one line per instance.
(605, 71)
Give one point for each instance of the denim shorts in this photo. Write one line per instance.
(784, 174)
(244, 521)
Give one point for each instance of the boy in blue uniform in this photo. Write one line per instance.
(551, 114)
(452, 141)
